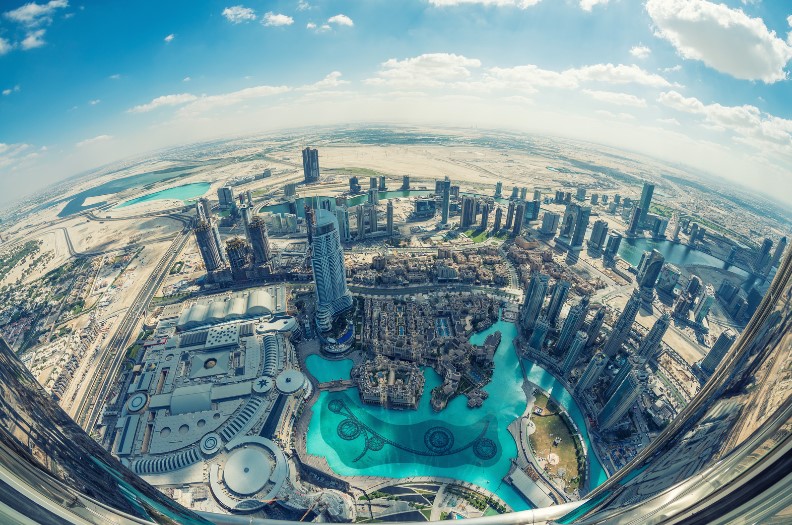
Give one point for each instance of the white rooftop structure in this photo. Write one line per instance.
(249, 304)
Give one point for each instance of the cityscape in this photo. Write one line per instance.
(311, 334)
(396, 262)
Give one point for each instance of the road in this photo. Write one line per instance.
(91, 404)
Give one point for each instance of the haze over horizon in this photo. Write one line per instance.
(692, 82)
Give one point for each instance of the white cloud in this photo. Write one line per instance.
(94, 102)
(310, 25)
(640, 51)
(116, 76)
(751, 126)
(186, 79)
(165, 100)
(276, 19)
(588, 5)
(619, 99)
(302, 5)
(33, 39)
(14, 89)
(428, 70)
(332, 80)
(725, 39)
(13, 155)
(5, 46)
(619, 74)
(671, 121)
(238, 14)
(6, 92)
(615, 116)
(33, 14)
(168, 39)
(672, 69)
(450, 70)
(94, 140)
(341, 20)
(208, 103)
(522, 4)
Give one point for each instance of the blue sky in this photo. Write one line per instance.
(690, 81)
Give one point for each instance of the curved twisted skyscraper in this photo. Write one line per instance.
(327, 260)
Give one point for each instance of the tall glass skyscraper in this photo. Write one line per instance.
(327, 260)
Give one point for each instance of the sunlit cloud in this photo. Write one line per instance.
(276, 19)
(168, 39)
(238, 14)
(165, 100)
(94, 140)
(341, 20)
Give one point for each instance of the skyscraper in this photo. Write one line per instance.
(635, 221)
(310, 158)
(578, 344)
(509, 215)
(383, 184)
(595, 326)
(779, 252)
(534, 299)
(239, 256)
(572, 324)
(592, 372)
(599, 234)
(327, 261)
(342, 216)
(704, 303)
(523, 193)
(259, 241)
(225, 195)
(389, 218)
(623, 325)
(537, 195)
(557, 301)
(550, 223)
(484, 216)
(446, 204)
(498, 218)
(622, 400)
(581, 194)
(763, 256)
(648, 271)
(669, 278)
(633, 363)
(539, 333)
(514, 193)
(354, 185)
(650, 345)
(208, 246)
(581, 224)
(646, 200)
(717, 352)
(519, 216)
(373, 218)
(203, 203)
(360, 220)
(405, 183)
(468, 212)
(498, 189)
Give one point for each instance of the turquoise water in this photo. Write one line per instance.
(184, 192)
(470, 445)
(324, 370)
(631, 251)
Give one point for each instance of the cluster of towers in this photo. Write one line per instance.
(580, 335)
(243, 258)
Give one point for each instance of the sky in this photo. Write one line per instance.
(691, 82)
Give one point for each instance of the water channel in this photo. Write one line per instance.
(471, 445)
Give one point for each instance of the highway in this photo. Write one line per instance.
(90, 407)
